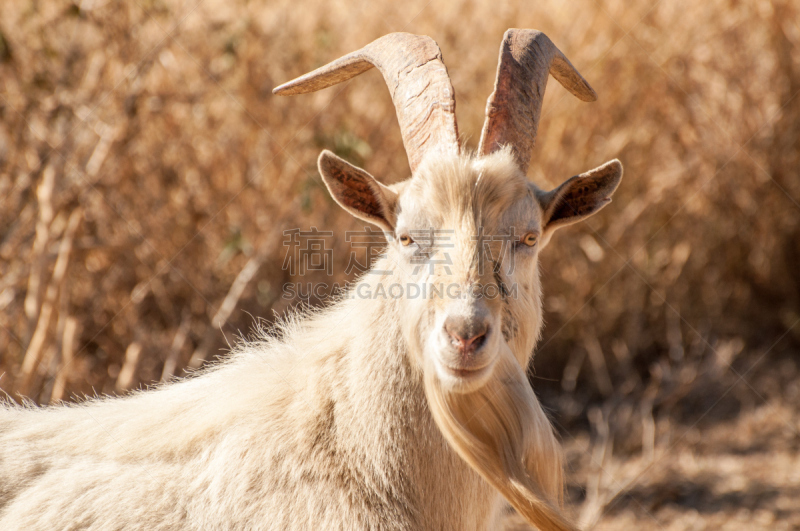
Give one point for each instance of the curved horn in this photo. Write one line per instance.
(417, 78)
(513, 109)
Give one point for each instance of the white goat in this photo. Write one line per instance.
(377, 412)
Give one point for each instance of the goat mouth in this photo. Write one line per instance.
(468, 373)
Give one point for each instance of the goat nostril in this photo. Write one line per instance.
(467, 341)
(477, 341)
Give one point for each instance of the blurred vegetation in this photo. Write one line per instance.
(147, 175)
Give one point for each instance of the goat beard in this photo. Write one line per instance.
(501, 431)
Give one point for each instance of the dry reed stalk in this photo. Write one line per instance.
(67, 346)
(171, 363)
(572, 369)
(226, 308)
(600, 493)
(127, 374)
(44, 196)
(34, 351)
(592, 508)
(51, 360)
(598, 361)
(100, 152)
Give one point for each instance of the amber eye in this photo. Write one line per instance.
(529, 239)
(406, 240)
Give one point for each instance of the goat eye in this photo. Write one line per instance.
(529, 239)
(406, 240)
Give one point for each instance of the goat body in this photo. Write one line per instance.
(324, 428)
(378, 412)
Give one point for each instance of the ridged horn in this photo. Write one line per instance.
(417, 79)
(514, 108)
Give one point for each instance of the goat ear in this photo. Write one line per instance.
(580, 196)
(358, 192)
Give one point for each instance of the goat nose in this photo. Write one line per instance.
(467, 335)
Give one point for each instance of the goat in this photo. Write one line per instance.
(375, 412)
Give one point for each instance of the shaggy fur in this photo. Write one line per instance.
(337, 419)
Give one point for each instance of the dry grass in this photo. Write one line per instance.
(147, 174)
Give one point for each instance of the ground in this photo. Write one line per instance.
(739, 474)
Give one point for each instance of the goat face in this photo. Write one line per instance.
(465, 233)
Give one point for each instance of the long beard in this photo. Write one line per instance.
(501, 431)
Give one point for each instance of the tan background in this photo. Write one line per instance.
(145, 167)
